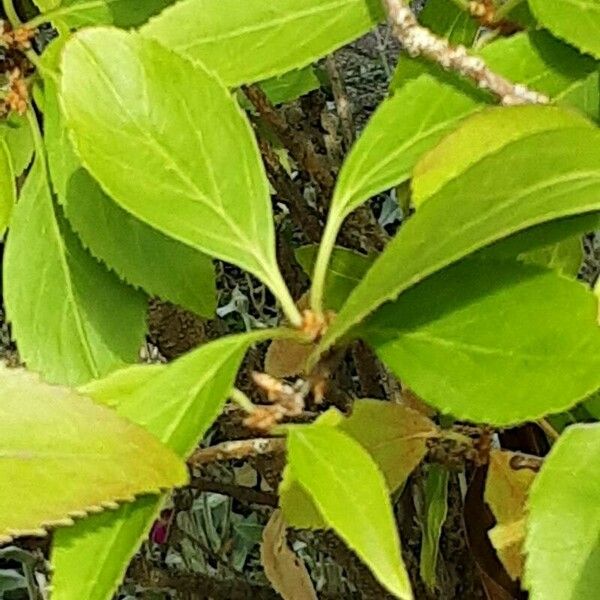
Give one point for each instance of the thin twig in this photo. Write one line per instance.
(342, 104)
(420, 41)
(302, 215)
(244, 494)
(236, 450)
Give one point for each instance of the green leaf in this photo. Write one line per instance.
(79, 457)
(555, 245)
(404, 126)
(255, 40)
(351, 496)
(17, 135)
(79, 13)
(435, 511)
(290, 86)
(177, 403)
(565, 256)
(113, 389)
(501, 177)
(139, 254)
(540, 61)
(193, 167)
(575, 21)
(72, 319)
(563, 528)
(484, 136)
(492, 341)
(8, 188)
(346, 269)
(395, 436)
(534, 59)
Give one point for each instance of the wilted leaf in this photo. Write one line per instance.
(285, 571)
(506, 491)
(395, 436)
(79, 457)
(563, 527)
(249, 42)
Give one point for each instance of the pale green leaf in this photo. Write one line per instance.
(435, 511)
(576, 21)
(350, 493)
(72, 319)
(177, 403)
(8, 188)
(480, 198)
(290, 86)
(563, 528)
(346, 269)
(395, 436)
(17, 134)
(79, 13)
(139, 254)
(404, 126)
(172, 147)
(245, 42)
(485, 135)
(492, 342)
(77, 456)
(113, 389)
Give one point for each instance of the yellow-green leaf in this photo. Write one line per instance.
(8, 189)
(72, 319)
(576, 21)
(66, 456)
(350, 493)
(177, 403)
(172, 147)
(254, 40)
(563, 527)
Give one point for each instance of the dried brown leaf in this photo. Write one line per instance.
(506, 490)
(286, 572)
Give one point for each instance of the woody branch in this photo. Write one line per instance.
(420, 41)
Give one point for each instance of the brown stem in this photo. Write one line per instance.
(236, 450)
(300, 149)
(242, 493)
